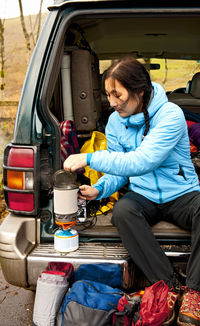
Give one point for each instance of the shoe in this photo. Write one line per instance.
(171, 300)
(189, 313)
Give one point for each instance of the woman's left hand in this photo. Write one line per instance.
(75, 162)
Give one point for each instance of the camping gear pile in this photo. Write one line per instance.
(92, 295)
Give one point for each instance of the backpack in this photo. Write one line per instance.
(127, 309)
(88, 303)
(151, 303)
(154, 306)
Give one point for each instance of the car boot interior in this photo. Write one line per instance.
(90, 45)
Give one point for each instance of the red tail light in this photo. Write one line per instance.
(20, 182)
(21, 202)
(21, 157)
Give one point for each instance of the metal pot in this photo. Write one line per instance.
(65, 196)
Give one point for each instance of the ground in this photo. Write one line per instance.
(16, 304)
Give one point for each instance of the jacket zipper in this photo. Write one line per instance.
(154, 173)
(136, 136)
(158, 188)
(156, 179)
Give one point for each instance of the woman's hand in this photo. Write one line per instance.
(88, 192)
(75, 162)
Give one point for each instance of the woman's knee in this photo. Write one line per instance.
(122, 209)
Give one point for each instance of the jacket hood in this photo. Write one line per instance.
(159, 98)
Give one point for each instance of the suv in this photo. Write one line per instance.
(64, 83)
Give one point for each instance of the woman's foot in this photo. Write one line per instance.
(171, 300)
(189, 313)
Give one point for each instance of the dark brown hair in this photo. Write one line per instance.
(134, 77)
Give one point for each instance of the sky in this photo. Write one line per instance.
(10, 8)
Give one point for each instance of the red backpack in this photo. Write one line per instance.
(154, 307)
(144, 308)
(127, 309)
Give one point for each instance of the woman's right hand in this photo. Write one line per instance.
(88, 192)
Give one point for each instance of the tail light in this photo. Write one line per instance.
(21, 168)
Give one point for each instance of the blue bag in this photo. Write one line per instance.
(89, 304)
(107, 273)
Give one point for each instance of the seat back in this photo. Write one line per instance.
(191, 100)
(86, 90)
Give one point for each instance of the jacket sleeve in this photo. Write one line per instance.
(154, 149)
(110, 183)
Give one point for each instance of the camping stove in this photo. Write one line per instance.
(66, 239)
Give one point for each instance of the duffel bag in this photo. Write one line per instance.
(107, 273)
(89, 303)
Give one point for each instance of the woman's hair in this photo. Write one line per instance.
(134, 77)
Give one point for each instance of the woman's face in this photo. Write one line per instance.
(120, 99)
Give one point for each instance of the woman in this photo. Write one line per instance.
(148, 148)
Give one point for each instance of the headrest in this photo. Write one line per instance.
(195, 85)
(103, 83)
(188, 86)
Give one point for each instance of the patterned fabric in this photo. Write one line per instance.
(171, 301)
(69, 141)
(189, 313)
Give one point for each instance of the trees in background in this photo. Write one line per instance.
(35, 28)
(24, 29)
(2, 56)
(31, 35)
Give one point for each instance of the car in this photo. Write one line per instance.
(64, 82)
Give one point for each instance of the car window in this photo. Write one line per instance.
(172, 74)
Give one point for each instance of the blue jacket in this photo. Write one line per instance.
(160, 166)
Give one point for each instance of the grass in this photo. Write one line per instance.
(178, 74)
(6, 130)
(16, 57)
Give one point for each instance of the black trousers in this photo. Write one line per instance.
(133, 215)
